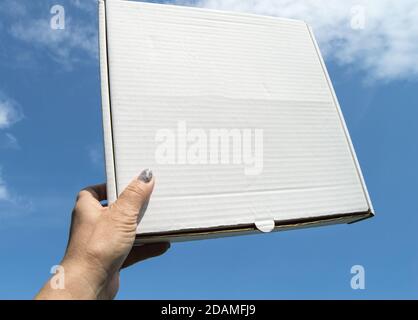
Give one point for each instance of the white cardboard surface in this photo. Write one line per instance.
(170, 68)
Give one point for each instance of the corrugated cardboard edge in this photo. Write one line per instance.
(343, 123)
(284, 225)
(197, 234)
(106, 108)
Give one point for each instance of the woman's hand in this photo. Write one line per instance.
(101, 241)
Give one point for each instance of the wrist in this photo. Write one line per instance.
(84, 278)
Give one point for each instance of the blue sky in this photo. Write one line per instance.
(51, 146)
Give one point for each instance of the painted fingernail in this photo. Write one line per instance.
(145, 176)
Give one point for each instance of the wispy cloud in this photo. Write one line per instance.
(11, 203)
(10, 111)
(73, 44)
(377, 37)
(8, 141)
(76, 42)
(374, 36)
(9, 199)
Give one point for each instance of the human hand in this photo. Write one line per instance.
(101, 241)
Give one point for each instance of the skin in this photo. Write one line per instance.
(101, 243)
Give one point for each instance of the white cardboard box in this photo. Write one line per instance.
(234, 113)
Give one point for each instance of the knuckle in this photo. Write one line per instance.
(77, 208)
(81, 194)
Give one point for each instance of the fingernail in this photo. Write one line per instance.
(145, 176)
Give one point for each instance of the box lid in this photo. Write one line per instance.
(234, 113)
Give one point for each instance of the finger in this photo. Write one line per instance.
(133, 200)
(97, 192)
(145, 251)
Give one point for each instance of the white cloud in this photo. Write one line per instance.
(385, 49)
(75, 43)
(12, 204)
(10, 111)
(65, 46)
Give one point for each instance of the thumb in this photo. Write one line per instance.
(134, 199)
